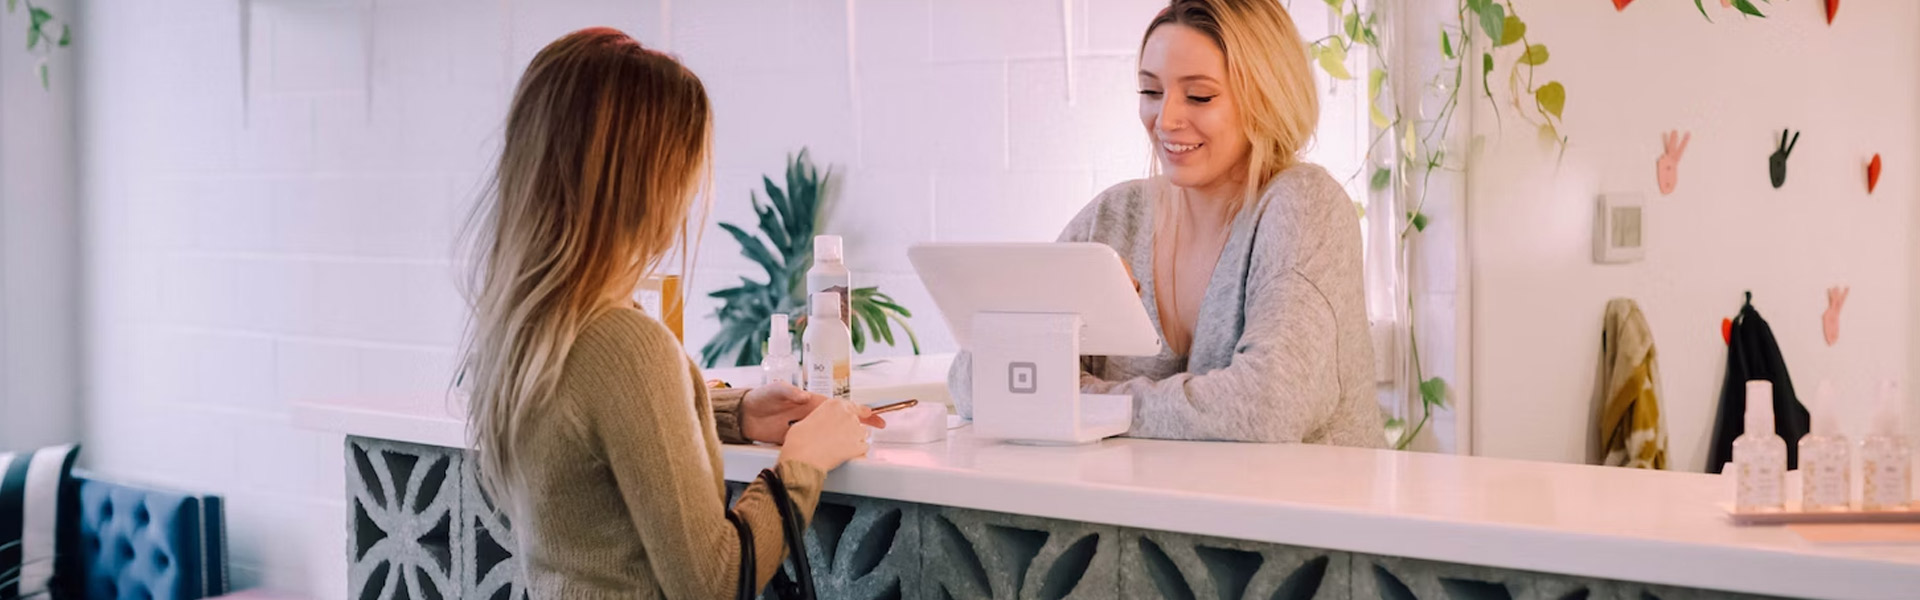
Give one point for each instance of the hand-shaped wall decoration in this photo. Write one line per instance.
(1668, 167)
(1777, 164)
(1830, 320)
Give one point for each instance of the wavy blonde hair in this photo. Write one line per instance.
(605, 147)
(1267, 72)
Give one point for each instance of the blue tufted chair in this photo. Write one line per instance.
(140, 543)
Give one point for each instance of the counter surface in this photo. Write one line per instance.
(1644, 526)
(1611, 523)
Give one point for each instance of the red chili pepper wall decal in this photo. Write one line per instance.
(1873, 173)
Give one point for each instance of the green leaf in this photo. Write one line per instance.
(11, 4)
(1552, 97)
(1410, 142)
(1419, 220)
(43, 77)
(39, 16)
(771, 227)
(908, 329)
(1486, 69)
(1512, 30)
(1433, 392)
(1333, 60)
(33, 38)
(778, 199)
(1446, 44)
(1378, 118)
(1535, 55)
(1549, 135)
(1703, 10)
(1493, 21)
(1353, 26)
(1360, 210)
(1381, 177)
(1376, 79)
(876, 321)
(66, 35)
(753, 248)
(1746, 6)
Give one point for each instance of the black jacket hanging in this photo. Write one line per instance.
(1753, 354)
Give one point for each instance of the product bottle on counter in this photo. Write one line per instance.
(829, 274)
(1825, 458)
(1886, 457)
(1759, 455)
(780, 365)
(828, 346)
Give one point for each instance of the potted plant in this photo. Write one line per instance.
(788, 221)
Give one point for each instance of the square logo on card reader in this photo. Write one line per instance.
(1020, 378)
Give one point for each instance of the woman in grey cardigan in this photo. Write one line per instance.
(1248, 260)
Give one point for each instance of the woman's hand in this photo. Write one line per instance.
(830, 435)
(767, 411)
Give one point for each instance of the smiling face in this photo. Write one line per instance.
(1189, 111)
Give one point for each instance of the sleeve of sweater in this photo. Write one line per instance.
(644, 421)
(1282, 383)
(726, 415)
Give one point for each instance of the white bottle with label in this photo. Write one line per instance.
(1759, 455)
(780, 364)
(1825, 458)
(1886, 457)
(829, 274)
(828, 346)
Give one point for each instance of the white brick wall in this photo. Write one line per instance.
(272, 187)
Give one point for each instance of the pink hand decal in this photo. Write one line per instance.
(1668, 167)
(1830, 321)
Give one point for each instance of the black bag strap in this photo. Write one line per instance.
(796, 531)
(744, 588)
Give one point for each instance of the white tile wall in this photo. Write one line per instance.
(256, 241)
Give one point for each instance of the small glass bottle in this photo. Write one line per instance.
(780, 364)
(1759, 455)
(1825, 458)
(1886, 457)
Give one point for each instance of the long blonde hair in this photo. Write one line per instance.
(604, 149)
(1267, 73)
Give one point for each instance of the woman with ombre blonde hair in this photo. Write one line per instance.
(591, 427)
(1249, 259)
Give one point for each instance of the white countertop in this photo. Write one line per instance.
(1645, 526)
(1610, 523)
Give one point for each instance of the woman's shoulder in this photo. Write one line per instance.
(1120, 207)
(1302, 189)
(626, 334)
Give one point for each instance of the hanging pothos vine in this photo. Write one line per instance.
(40, 39)
(1422, 150)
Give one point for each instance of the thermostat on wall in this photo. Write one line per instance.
(1619, 225)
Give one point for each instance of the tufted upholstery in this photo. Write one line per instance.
(140, 543)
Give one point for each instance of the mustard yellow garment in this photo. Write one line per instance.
(1630, 430)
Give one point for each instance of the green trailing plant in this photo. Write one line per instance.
(1419, 151)
(788, 221)
(1745, 7)
(40, 39)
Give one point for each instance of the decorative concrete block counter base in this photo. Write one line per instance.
(421, 529)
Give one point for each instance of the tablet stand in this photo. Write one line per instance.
(1026, 382)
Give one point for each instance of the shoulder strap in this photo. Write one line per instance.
(796, 530)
